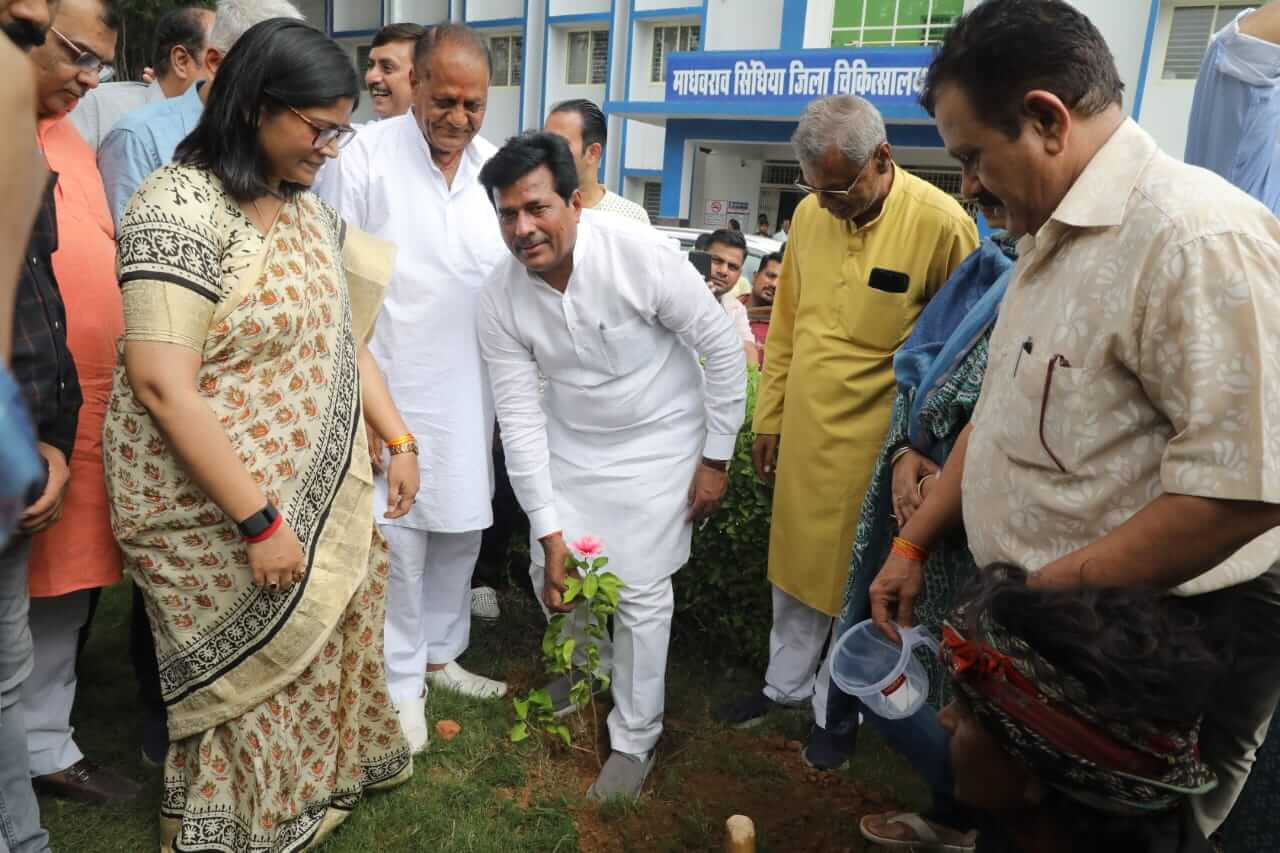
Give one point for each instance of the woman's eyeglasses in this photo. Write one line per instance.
(341, 133)
(86, 60)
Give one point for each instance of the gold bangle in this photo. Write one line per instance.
(409, 446)
(399, 440)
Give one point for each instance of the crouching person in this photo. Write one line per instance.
(630, 438)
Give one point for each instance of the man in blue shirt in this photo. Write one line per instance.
(145, 139)
(1235, 117)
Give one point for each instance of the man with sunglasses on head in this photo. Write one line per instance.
(869, 247)
(144, 140)
(414, 180)
(75, 556)
(178, 61)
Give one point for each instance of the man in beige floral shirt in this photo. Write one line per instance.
(1129, 426)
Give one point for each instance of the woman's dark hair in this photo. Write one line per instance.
(1139, 653)
(526, 152)
(1006, 48)
(594, 127)
(277, 64)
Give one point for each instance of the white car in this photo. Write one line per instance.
(757, 246)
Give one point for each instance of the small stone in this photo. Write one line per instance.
(448, 729)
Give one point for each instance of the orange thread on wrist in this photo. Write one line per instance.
(910, 550)
(399, 440)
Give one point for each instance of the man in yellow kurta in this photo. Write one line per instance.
(867, 250)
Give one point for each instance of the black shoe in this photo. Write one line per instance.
(747, 711)
(155, 737)
(87, 782)
(828, 750)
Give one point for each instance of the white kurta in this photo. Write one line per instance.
(425, 340)
(611, 446)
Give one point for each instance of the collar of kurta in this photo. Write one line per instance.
(469, 166)
(890, 200)
(1100, 195)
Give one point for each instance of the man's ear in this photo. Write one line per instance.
(212, 59)
(594, 152)
(1050, 119)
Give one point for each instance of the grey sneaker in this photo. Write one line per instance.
(558, 690)
(623, 775)
(484, 604)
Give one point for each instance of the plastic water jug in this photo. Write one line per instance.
(885, 676)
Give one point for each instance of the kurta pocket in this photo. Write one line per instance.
(628, 345)
(875, 319)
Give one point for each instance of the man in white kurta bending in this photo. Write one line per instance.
(630, 438)
(413, 180)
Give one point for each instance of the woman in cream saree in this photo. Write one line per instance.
(239, 394)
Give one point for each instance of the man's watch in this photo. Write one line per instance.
(258, 523)
(718, 464)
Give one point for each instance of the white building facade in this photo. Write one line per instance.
(703, 95)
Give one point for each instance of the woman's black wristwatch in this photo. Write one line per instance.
(258, 523)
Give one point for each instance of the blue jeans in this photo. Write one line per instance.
(20, 830)
(922, 741)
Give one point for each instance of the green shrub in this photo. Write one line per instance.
(723, 593)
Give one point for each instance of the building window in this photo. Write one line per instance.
(668, 40)
(507, 55)
(1193, 27)
(892, 22)
(780, 173)
(652, 198)
(588, 59)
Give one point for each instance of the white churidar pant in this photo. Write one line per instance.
(795, 650)
(635, 658)
(428, 603)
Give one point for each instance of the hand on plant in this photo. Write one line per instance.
(556, 555)
(908, 471)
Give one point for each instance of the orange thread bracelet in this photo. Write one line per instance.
(404, 439)
(909, 550)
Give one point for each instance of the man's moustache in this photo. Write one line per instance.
(24, 34)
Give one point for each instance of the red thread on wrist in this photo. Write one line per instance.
(909, 550)
(266, 534)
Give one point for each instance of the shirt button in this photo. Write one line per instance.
(57, 325)
(62, 386)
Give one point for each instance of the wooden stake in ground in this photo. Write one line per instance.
(740, 835)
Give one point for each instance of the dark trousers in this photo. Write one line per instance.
(142, 653)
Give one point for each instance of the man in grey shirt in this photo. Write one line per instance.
(179, 63)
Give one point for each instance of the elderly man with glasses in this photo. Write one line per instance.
(870, 246)
(73, 553)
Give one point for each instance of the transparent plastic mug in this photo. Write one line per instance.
(888, 679)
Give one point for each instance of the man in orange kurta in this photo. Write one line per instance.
(78, 554)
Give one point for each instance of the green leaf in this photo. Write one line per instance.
(564, 733)
(540, 699)
(519, 732)
(522, 708)
(580, 692)
(599, 562)
(566, 651)
(591, 586)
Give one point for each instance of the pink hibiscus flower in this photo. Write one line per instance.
(587, 546)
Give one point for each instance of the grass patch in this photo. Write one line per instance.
(479, 793)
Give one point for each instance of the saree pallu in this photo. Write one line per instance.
(278, 711)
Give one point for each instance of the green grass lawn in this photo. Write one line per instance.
(481, 794)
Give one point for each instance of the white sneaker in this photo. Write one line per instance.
(457, 679)
(484, 603)
(413, 722)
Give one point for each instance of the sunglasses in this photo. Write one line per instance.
(341, 133)
(86, 60)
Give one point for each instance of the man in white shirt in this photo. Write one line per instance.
(728, 251)
(583, 126)
(629, 439)
(413, 180)
(178, 61)
(784, 231)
